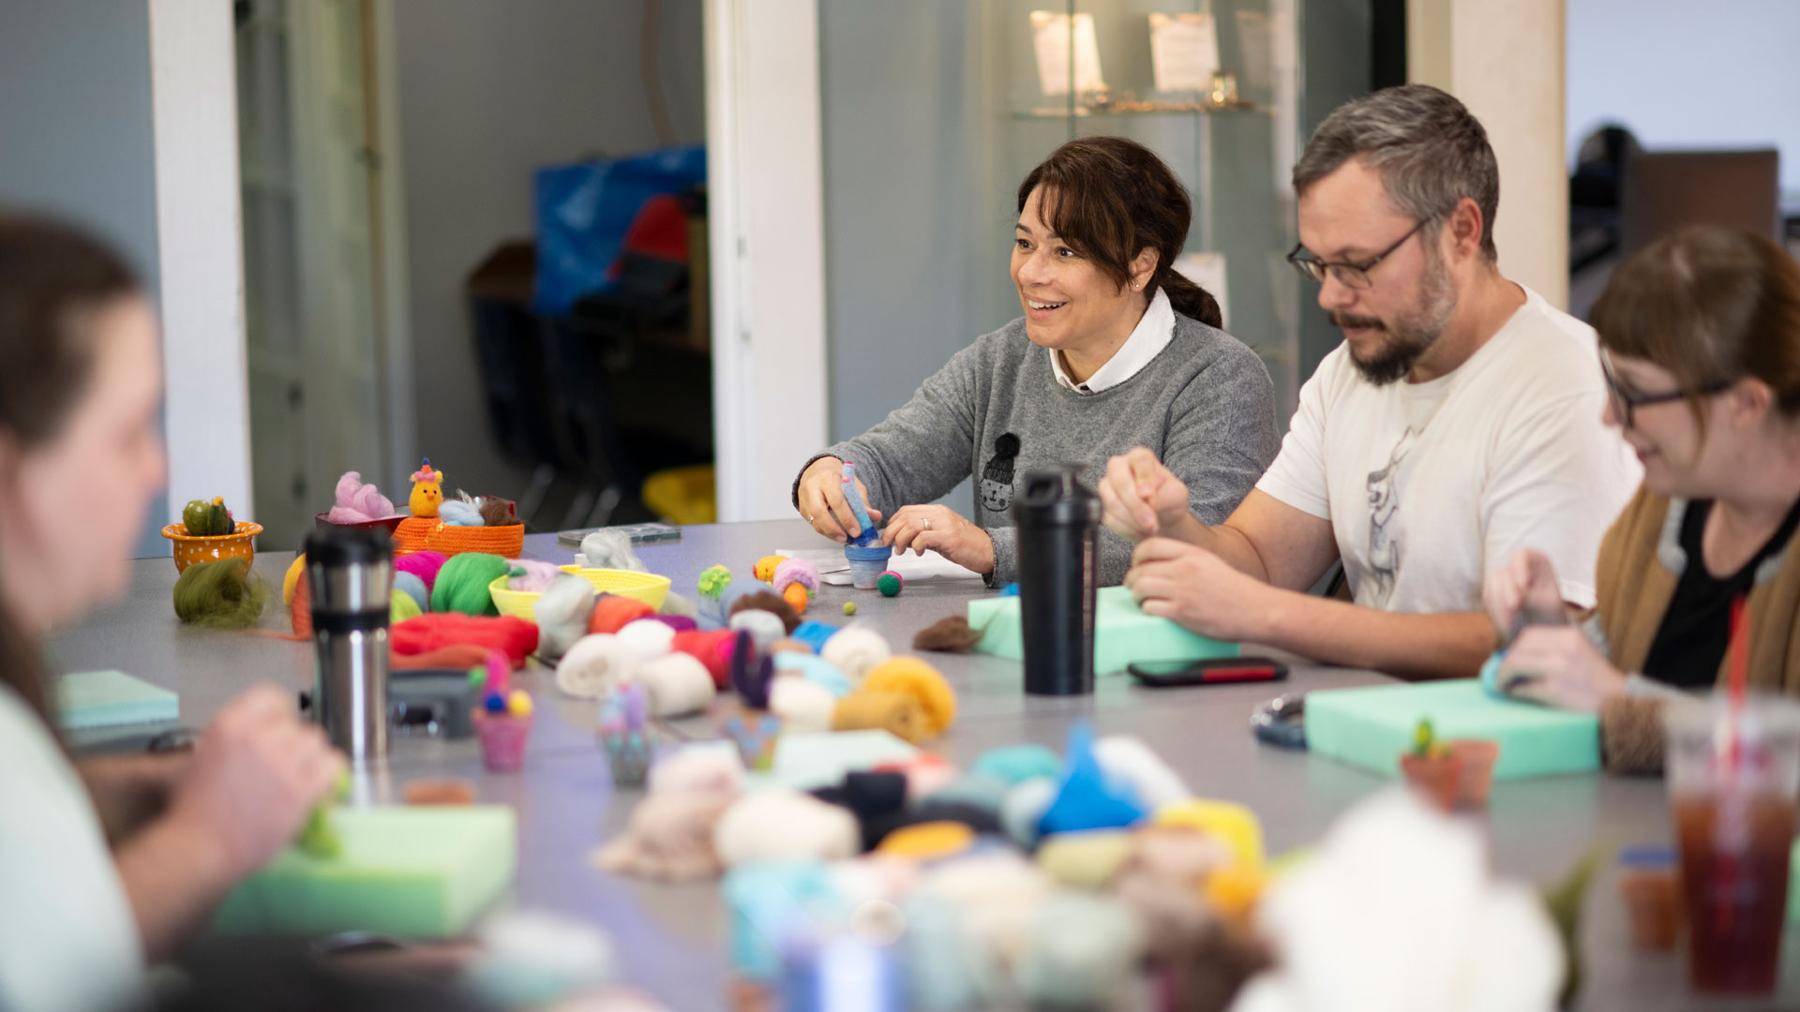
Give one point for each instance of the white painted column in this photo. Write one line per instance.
(193, 85)
(765, 186)
(1507, 62)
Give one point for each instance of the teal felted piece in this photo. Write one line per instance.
(1123, 634)
(408, 872)
(1370, 727)
(1016, 764)
(91, 699)
(977, 790)
(767, 900)
(806, 762)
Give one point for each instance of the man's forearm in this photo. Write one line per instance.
(1447, 645)
(1224, 541)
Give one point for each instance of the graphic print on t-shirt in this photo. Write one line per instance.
(1384, 523)
(997, 477)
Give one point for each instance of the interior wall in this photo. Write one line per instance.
(485, 94)
(75, 111)
(1686, 75)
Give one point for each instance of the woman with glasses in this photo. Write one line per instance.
(1700, 348)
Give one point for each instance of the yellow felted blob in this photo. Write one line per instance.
(292, 579)
(1085, 860)
(913, 677)
(897, 713)
(1227, 820)
(1233, 891)
(765, 567)
(927, 841)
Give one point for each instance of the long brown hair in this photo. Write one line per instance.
(51, 276)
(1110, 199)
(1710, 305)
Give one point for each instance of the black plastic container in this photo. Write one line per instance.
(1058, 521)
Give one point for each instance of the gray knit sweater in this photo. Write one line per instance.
(1205, 405)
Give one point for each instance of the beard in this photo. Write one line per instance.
(1412, 333)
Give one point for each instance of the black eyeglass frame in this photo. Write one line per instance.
(1626, 403)
(1348, 274)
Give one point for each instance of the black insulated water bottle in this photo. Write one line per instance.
(1058, 522)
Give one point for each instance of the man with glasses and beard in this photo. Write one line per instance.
(1458, 422)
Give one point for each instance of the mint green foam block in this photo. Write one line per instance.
(92, 699)
(424, 872)
(1123, 634)
(1370, 727)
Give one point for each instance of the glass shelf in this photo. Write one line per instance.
(1144, 109)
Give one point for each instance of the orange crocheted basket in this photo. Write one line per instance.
(192, 548)
(417, 534)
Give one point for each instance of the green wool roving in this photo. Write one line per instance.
(462, 585)
(220, 595)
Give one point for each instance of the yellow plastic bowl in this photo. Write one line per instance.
(516, 603)
(649, 588)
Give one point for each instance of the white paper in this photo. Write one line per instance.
(1184, 51)
(834, 569)
(1050, 37)
(1208, 271)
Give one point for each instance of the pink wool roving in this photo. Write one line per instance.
(358, 502)
(424, 565)
(537, 576)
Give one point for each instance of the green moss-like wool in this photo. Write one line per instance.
(220, 595)
(462, 585)
(890, 584)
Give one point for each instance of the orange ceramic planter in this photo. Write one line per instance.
(192, 548)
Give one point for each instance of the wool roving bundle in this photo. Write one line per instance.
(358, 502)
(779, 824)
(669, 839)
(563, 613)
(803, 705)
(899, 714)
(611, 550)
(424, 565)
(462, 584)
(764, 628)
(222, 594)
(401, 607)
(856, 651)
(649, 636)
(1127, 759)
(514, 637)
(676, 683)
(460, 513)
(764, 600)
(1081, 952)
(595, 666)
(413, 587)
(913, 677)
(533, 576)
(613, 612)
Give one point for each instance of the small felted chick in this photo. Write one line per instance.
(427, 491)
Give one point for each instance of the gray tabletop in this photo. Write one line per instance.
(671, 938)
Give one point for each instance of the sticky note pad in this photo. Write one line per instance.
(1370, 727)
(93, 699)
(1123, 634)
(408, 872)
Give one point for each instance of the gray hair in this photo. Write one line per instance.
(1430, 151)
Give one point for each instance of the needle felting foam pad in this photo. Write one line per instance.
(1123, 634)
(1370, 727)
(91, 699)
(409, 872)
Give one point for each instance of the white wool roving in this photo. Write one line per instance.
(778, 824)
(1127, 758)
(676, 684)
(856, 650)
(562, 614)
(650, 638)
(1397, 910)
(1083, 951)
(765, 627)
(803, 705)
(610, 550)
(595, 666)
(675, 604)
(699, 769)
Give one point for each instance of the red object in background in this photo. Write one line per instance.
(613, 612)
(513, 637)
(713, 649)
(659, 231)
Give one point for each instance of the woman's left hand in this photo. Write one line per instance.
(1562, 669)
(943, 530)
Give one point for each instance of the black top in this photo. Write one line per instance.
(1690, 644)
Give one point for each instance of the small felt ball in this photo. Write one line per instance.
(494, 703)
(478, 678)
(519, 703)
(849, 607)
(890, 584)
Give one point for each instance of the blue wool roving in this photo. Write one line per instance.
(457, 513)
(1088, 798)
(413, 587)
(1016, 764)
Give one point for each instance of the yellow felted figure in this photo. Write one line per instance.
(427, 491)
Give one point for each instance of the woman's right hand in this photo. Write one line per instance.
(256, 774)
(1524, 591)
(1140, 497)
(822, 501)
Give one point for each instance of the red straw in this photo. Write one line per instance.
(1738, 675)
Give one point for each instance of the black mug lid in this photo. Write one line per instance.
(348, 546)
(1055, 497)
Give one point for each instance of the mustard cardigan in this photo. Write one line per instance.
(1641, 560)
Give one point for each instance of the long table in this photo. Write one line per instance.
(671, 939)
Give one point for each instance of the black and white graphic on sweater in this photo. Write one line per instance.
(1385, 542)
(997, 477)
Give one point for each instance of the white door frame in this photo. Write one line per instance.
(765, 206)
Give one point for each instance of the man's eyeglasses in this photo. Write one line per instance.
(1626, 402)
(1350, 275)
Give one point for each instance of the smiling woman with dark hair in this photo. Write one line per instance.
(1116, 349)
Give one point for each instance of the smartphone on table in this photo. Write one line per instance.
(1210, 671)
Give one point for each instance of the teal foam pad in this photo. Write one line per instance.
(423, 872)
(1370, 727)
(1123, 634)
(92, 699)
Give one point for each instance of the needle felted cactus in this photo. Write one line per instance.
(205, 518)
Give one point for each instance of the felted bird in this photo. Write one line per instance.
(427, 491)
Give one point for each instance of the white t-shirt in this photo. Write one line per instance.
(1428, 486)
(68, 940)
